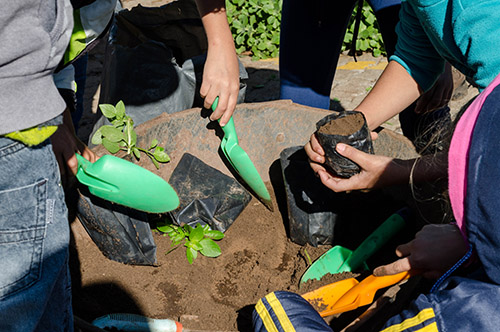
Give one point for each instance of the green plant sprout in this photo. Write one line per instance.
(309, 261)
(198, 239)
(120, 135)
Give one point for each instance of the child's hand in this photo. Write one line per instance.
(221, 78)
(435, 249)
(374, 168)
(315, 153)
(65, 144)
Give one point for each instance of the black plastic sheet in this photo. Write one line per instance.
(207, 196)
(122, 234)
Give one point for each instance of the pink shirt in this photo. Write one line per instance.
(458, 155)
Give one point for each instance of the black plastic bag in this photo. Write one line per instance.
(207, 196)
(121, 234)
(345, 127)
(319, 216)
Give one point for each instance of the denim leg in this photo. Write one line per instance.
(35, 292)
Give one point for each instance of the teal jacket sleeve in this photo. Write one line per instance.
(414, 50)
(463, 32)
(476, 33)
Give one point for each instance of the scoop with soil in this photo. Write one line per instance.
(347, 127)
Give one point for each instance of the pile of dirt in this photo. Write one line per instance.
(212, 293)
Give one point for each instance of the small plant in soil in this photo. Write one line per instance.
(121, 136)
(196, 239)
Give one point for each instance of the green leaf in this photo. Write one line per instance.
(137, 153)
(112, 147)
(108, 110)
(118, 123)
(240, 39)
(120, 110)
(97, 137)
(112, 134)
(210, 248)
(155, 163)
(161, 155)
(191, 255)
(215, 235)
(177, 238)
(165, 228)
(153, 144)
(195, 245)
(237, 24)
(196, 234)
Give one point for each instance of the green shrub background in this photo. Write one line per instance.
(255, 25)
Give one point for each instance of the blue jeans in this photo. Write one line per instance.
(35, 288)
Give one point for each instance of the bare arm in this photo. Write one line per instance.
(394, 91)
(221, 72)
(376, 171)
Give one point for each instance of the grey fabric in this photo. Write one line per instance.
(28, 58)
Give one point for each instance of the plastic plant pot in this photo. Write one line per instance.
(347, 127)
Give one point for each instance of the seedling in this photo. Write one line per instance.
(309, 260)
(198, 239)
(121, 136)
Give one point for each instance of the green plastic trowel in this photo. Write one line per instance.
(339, 259)
(125, 183)
(241, 162)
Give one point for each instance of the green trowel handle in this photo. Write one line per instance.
(85, 176)
(375, 241)
(229, 129)
(82, 162)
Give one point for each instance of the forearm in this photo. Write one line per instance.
(394, 91)
(423, 169)
(214, 18)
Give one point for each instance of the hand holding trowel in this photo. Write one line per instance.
(241, 162)
(339, 259)
(349, 294)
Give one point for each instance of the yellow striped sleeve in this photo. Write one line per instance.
(280, 312)
(429, 328)
(420, 318)
(265, 316)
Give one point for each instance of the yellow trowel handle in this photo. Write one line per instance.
(364, 292)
